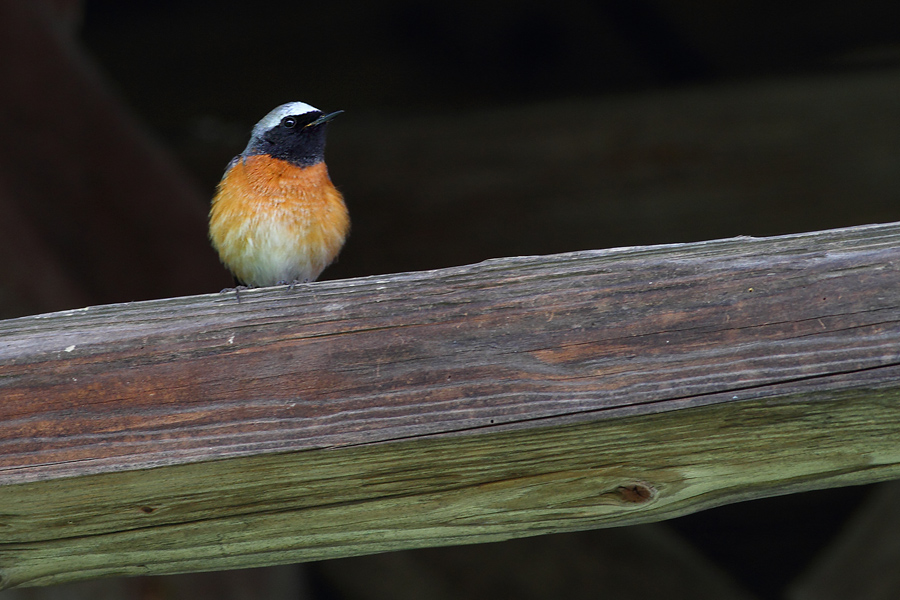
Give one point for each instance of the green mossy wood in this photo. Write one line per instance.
(513, 397)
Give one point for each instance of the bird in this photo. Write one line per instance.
(276, 217)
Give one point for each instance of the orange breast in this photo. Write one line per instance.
(272, 221)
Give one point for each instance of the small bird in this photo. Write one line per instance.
(276, 217)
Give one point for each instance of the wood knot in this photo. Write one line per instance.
(636, 493)
(147, 509)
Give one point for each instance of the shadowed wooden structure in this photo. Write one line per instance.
(510, 398)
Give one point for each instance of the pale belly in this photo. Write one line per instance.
(266, 251)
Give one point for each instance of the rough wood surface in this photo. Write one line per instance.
(513, 397)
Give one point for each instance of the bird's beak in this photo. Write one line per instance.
(325, 118)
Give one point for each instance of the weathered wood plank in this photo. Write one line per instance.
(514, 397)
(279, 508)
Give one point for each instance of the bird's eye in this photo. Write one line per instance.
(288, 122)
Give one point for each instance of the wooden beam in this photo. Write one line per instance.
(514, 397)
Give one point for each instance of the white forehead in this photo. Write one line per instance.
(274, 118)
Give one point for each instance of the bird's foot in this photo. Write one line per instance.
(237, 291)
(297, 282)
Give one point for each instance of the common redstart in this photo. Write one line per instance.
(276, 217)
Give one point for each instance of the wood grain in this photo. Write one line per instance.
(514, 397)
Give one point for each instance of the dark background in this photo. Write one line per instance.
(472, 130)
